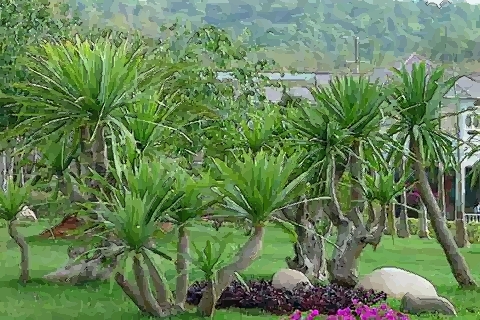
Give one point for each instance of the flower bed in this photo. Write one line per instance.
(327, 300)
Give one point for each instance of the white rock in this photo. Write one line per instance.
(397, 282)
(290, 279)
(417, 305)
(26, 212)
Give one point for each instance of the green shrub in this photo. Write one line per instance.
(473, 229)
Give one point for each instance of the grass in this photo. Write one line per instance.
(100, 300)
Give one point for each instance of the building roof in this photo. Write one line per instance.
(467, 87)
(275, 94)
(383, 74)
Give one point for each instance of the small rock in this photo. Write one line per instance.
(397, 282)
(26, 212)
(416, 305)
(290, 279)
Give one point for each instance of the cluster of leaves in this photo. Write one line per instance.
(262, 295)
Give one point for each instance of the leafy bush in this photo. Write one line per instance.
(473, 229)
(262, 295)
(361, 311)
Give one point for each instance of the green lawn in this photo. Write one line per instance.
(98, 301)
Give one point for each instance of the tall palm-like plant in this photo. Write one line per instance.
(140, 195)
(83, 86)
(253, 187)
(357, 105)
(197, 199)
(336, 130)
(12, 201)
(416, 104)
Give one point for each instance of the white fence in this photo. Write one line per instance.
(472, 217)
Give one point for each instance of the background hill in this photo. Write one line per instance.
(314, 35)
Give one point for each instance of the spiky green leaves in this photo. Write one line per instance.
(255, 186)
(417, 96)
(14, 198)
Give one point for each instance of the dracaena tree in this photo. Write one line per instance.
(140, 195)
(417, 99)
(357, 105)
(83, 87)
(253, 187)
(12, 201)
(337, 129)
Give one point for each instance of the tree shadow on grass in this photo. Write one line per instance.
(38, 283)
(43, 242)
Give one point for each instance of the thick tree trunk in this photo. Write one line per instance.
(391, 228)
(403, 231)
(182, 267)
(156, 306)
(423, 222)
(95, 153)
(99, 152)
(209, 299)
(310, 254)
(244, 258)
(457, 262)
(82, 269)
(461, 235)
(22, 244)
(342, 268)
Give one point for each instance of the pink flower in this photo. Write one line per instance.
(361, 312)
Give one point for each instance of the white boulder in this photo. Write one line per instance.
(397, 282)
(290, 279)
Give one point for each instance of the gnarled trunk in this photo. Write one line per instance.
(342, 268)
(80, 268)
(310, 254)
(23, 246)
(154, 305)
(244, 258)
(457, 262)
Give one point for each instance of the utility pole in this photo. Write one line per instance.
(357, 61)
